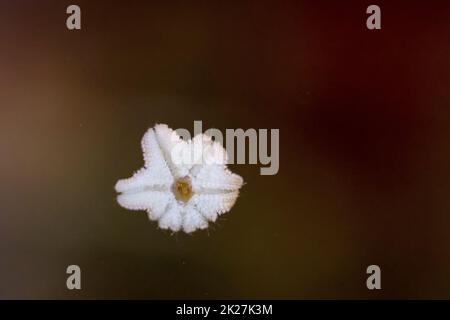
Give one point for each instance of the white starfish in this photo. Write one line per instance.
(180, 194)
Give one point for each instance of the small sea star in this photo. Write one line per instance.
(181, 195)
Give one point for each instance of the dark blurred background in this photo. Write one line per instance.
(364, 119)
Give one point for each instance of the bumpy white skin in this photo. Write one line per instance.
(215, 189)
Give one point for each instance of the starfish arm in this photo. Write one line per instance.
(172, 219)
(156, 173)
(174, 149)
(155, 158)
(214, 204)
(208, 152)
(213, 178)
(152, 201)
(193, 220)
(144, 179)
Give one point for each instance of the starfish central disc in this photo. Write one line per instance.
(182, 189)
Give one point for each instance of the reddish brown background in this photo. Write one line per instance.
(364, 167)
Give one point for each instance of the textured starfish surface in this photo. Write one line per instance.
(181, 193)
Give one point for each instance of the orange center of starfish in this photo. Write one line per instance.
(182, 189)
